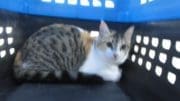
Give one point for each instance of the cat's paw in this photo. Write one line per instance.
(112, 74)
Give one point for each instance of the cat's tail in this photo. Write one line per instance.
(17, 64)
(24, 72)
(18, 70)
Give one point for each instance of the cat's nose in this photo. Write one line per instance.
(115, 56)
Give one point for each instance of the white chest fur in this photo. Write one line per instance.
(96, 66)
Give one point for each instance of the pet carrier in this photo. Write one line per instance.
(151, 72)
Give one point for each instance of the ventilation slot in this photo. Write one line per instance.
(136, 48)
(9, 30)
(133, 58)
(158, 71)
(176, 62)
(138, 38)
(146, 40)
(11, 51)
(143, 51)
(72, 2)
(97, 3)
(60, 1)
(166, 44)
(140, 61)
(48, 1)
(10, 40)
(84, 3)
(148, 65)
(171, 78)
(163, 57)
(155, 42)
(142, 2)
(94, 33)
(1, 30)
(178, 46)
(2, 53)
(1, 42)
(152, 54)
(109, 4)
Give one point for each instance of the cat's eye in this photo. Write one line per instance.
(123, 47)
(109, 44)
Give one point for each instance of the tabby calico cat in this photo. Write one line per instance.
(57, 48)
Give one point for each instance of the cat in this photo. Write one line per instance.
(58, 47)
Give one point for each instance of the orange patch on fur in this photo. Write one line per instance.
(18, 59)
(87, 41)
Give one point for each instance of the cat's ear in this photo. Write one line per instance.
(103, 29)
(128, 34)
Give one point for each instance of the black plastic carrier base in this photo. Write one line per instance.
(150, 74)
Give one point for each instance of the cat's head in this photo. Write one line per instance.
(111, 46)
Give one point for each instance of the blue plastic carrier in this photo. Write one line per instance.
(111, 10)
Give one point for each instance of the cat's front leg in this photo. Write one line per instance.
(112, 73)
